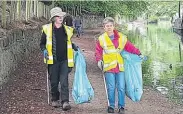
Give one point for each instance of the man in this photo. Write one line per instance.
(68, 20)
(56, 46)
(77, 25)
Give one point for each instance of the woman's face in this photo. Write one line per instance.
(58, 19)
(109, 27)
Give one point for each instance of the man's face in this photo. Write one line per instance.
(109, 27)
(58, 19)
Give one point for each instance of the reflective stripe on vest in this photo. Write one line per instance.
(70, 54)
(111, 55)
(105, 46)
(110, 64)
(48, 31)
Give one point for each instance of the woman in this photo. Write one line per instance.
(108, 49)
(57, 49)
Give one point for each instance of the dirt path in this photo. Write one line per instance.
(25, 92)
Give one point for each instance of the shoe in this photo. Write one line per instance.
(66, 106)
(121, 110)
(55, 104)
(110, 110)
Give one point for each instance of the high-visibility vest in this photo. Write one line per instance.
(48, 31)
(111, 55)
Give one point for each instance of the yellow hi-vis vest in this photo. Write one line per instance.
(111, 55)
(48, 31)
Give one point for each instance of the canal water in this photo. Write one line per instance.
(164, 68)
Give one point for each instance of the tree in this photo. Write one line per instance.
(168, 8)
(110, 8)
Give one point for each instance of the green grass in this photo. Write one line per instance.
(161, 45)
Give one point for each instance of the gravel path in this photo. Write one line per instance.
(25, 92)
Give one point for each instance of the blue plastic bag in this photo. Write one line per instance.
(82, 90)
(133, 76)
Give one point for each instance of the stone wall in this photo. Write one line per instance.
(16, 45)
(91, 21)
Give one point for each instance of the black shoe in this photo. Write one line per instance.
(55, 104)
(66, 106)
(121, 110)
(110, 110)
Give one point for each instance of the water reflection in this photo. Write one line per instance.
(164, 68)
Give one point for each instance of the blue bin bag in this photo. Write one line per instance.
(82, 91)
(133, 76)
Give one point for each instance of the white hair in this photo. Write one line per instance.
(107, 20)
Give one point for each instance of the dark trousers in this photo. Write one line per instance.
(58, 72)
(78, 30)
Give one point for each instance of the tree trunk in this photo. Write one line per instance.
(52, 4)
(29, 6)
(35, 8)
(4, 14)
(12, 12)
(31, 9)
(26, 13)
(18, 10)
(41, 9)
(44, 10)
(38, 12)
(74, 10)
(179, 9)
(80, 8)
(66, 9)
(48, 12)
(180, 52)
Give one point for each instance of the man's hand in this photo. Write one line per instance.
(100, 64)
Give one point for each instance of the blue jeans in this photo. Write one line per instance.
(113, 81)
